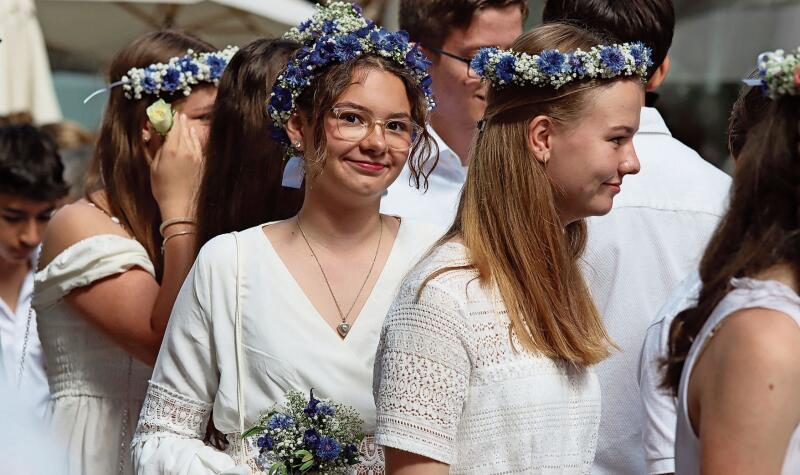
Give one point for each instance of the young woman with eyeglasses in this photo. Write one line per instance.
(312, 290)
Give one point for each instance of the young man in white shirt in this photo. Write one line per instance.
(451, 32)
(653, 237)
(31, 184)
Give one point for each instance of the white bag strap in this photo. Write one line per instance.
(237, 331)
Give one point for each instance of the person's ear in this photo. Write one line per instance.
(659, 75)
(540, 137)
(294, 129)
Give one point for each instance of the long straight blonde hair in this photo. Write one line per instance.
(508, 221)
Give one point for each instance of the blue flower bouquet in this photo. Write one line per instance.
(307, 436)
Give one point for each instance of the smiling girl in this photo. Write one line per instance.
(112, 263)
(484, 363)
(312, 290)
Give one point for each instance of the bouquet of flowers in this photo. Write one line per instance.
(307, 436)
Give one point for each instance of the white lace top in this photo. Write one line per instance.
(449, 386)
(746, 293)
(285, 345)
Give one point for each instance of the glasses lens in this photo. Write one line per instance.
(352, 125)
(401, 134)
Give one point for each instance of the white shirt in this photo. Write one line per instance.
(285, 345)
(636, 255)
(437, 205)
(452, 385)
(659, 404)
(15, 327)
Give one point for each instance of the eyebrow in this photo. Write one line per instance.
(623, 128)
(353, 105)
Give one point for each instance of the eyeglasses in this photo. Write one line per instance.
(470, 72)
(354, 125)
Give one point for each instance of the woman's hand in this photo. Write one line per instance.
(175, 171)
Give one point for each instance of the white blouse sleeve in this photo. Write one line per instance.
(422, 372)
(169, 436)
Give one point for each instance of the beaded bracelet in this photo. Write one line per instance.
(172, 221)
(181, 233)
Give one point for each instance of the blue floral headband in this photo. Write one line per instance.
(552, 68)
(779, 73)
(178, 74)
(338, 33)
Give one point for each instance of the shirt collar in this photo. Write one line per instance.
(449, 167)
(651, 122)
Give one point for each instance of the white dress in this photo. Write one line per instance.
(97, 388)
(449, 386)
(285, 345)
(746, 293)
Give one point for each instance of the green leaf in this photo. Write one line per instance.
(306, 466)
(255, 430)
(277, 468)
(304, 454)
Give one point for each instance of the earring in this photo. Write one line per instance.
(298, 145)
(546, 157)
(146, 137)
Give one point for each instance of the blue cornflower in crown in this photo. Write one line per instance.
(553, 68)
(338, 33)
(779, 73)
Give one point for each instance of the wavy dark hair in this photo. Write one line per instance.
(30, 165)
(241, 185)
(760, 230)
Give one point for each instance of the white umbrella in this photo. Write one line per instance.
(91, 31)
(26, 84)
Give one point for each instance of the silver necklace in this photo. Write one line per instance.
(344, 327)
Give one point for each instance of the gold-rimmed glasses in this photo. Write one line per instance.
(354, 125)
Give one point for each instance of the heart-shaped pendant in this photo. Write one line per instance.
(343, 328)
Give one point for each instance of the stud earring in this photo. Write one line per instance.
(146, 138)
(298, 145)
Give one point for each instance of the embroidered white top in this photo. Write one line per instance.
(285, 345)
(437, 205)
(635, 257)
(659, 404)
(450, 386)
(746, 293)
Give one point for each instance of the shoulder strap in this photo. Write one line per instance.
(238, 338)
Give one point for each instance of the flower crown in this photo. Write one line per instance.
(178, 74)
(553, 68)
(338, 33)
(779, 73)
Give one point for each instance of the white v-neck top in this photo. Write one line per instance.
(286, 345)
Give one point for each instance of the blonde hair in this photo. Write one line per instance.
(508, 221)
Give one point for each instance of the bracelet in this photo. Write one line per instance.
(172, 221)
(181, 233)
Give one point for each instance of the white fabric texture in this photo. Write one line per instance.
(21, 356)
(635, 257)
(97, 388)
(452, 386)
(286, 346)
(437, 205)
(659, 404)
(746, 293)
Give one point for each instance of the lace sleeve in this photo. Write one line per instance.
(185, 382)
(422, 372)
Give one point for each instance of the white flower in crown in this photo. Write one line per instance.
(178, 74)
(779, 73)
(555, 69)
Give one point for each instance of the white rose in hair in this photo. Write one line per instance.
(160, 116)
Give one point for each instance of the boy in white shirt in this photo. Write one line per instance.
(654, 235)
(31, 184)
(451, 32)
